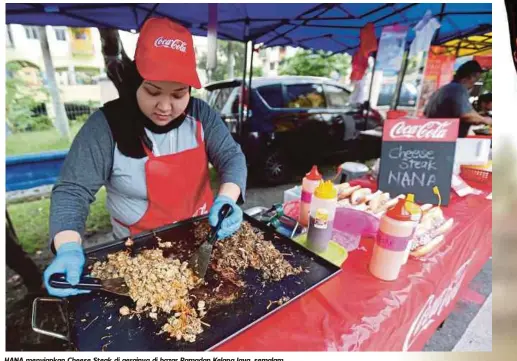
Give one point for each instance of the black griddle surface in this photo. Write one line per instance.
(96, 325)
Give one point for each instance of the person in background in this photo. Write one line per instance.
(484, 105)
(452, 100)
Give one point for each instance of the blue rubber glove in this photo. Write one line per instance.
(70, 261)
(232, 223)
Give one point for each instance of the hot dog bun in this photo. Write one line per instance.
(359, 196)
(432, 245)
(378, 201)
(347, 192)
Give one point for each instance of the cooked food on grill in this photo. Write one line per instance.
(160, 284)
(156, 284)
(247, 248)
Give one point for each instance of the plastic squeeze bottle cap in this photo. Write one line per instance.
(314, 174)
(413, 208)
(399, 211)
(326, 190)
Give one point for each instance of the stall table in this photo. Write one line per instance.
(356, 312)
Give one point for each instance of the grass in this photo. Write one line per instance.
(30, 220)
(39, 141)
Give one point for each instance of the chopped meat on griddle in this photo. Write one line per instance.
(244, 249)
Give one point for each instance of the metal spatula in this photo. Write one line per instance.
(200, 260)
(114, 285)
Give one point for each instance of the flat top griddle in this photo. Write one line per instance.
(96, 325)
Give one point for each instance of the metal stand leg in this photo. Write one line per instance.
(19, 261)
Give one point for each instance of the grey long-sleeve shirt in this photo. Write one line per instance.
(94, 161)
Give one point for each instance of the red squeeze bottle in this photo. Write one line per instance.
(309, 184)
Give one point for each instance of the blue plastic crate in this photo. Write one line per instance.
(33, 170)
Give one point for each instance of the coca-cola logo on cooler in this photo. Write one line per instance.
(428, 130)
(175, 44)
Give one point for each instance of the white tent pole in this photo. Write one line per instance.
(61, 121)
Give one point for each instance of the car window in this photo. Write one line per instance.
(305, 96)
(272, 94)
(336, 97)
(212, 95)
(219, 100)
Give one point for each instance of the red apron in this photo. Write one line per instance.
(178, 187)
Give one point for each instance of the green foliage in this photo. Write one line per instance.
(221, 70)
(486, 78)
(257, 72)
(81, 118)
(319, 63)
(39, 141)
(21, 101)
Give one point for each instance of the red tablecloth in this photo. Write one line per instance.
(355, 311)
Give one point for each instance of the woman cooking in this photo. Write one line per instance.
(150, 148)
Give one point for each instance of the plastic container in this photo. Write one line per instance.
(352, 170)
(292, 194)
(350, 225)
(478, 175)
(309, 183)
(321, 218)
(396, 229)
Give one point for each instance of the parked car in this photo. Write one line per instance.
(293, 120)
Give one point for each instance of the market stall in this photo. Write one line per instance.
(355, 311)
(340, 309)
(358, 311)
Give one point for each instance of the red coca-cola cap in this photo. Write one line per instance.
(314, 174)
(165, 52)
(399, 211)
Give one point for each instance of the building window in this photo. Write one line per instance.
(32, 32)
(60, 34)
(271, 66)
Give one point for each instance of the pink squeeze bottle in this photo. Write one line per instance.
(309, 184)
(396, 229)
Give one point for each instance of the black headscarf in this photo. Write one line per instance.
(126, 120)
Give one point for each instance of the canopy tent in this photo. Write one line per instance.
(475, 45)
(329, 27)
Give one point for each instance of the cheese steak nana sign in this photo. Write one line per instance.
(417, 155)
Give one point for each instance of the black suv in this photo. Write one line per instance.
(293, 121)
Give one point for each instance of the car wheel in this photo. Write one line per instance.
(275, 168)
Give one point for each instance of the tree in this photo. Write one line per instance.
(319, 63)
(21, 101)
(223, 57)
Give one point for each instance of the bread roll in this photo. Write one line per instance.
(359, 196)
(423, 250)
(347, 192)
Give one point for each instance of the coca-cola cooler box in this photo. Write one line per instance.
(417, 155)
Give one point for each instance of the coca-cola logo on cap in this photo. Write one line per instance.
(425, 130)
(175, 44)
